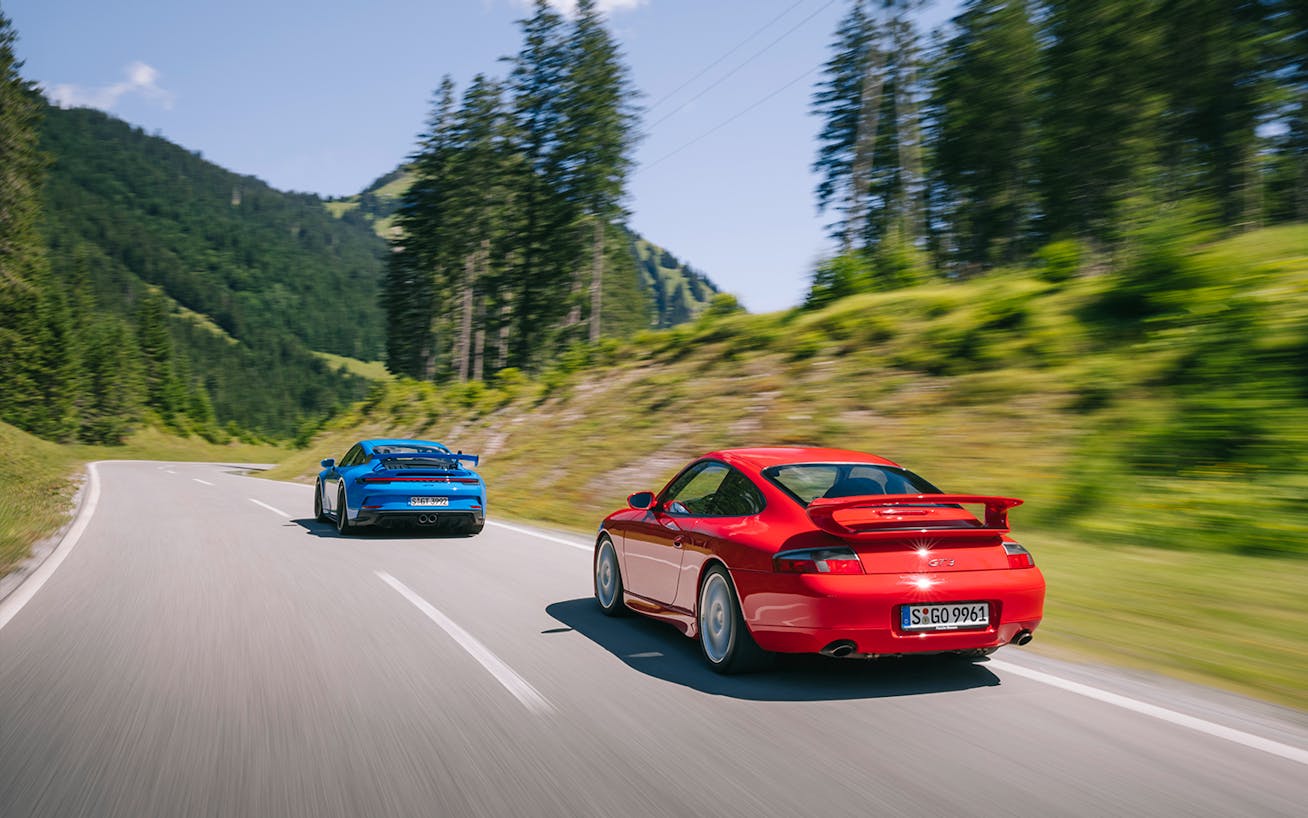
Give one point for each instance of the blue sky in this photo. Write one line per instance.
(325, 96)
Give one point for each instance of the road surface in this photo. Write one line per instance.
(205, 648)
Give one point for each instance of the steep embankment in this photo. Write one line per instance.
(1152, 416)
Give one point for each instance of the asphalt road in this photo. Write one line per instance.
(206, 649)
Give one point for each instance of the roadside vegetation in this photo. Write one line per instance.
(1163, 462)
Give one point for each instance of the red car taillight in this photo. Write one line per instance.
(817, 561)
(1018, 557)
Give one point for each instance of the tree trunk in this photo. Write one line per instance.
(479, 318)
(464, 344)
(596, 280)
(865, 144)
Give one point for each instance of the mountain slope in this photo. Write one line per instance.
(256, 279)
(672, 291)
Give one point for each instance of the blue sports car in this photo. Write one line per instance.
(401, 482)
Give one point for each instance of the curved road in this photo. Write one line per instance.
(205, 649)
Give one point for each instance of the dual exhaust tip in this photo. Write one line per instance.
(845, 647)
(428, 519)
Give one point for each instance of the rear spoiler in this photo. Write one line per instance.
(455, 456)
(822, 512)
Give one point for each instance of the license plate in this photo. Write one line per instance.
(949, 617)
(429, 501)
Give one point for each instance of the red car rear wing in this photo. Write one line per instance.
(822, 512)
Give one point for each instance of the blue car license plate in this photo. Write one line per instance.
(429, 501)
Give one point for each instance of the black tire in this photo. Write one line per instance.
(318, 513)
(608, 578)
(343, 526)
(473, 529)
(724, 639)
(975, 654)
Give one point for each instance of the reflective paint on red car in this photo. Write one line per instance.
(830, 572)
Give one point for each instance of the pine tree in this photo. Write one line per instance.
(1101, 107)
(415, 293)
(115, 381)
(27, 387)
(1212, 73)
(839, 100)
(545, 247)
(600, 133)
(985, 111)
(481, 197)
(870, 154)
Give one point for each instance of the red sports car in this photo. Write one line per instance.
(791, 550)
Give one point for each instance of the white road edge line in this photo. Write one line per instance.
(530, 533)
(270, 508)
(1144, 708)
(198, 480)
(24, 593)
(505, 675)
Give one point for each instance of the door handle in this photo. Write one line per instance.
(679, 542)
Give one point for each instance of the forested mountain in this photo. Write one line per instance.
(247, 281)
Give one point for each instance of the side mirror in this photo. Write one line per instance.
(328, 463)
(641, 500)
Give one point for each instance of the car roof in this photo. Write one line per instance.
(395, 441)
(765, 457)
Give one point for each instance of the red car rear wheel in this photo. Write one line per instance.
(724, 639)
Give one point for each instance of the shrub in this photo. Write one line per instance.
(1060, 260)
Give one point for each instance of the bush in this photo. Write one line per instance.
(1060, 260)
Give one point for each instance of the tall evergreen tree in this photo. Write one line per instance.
(870, 154)
(415, 293)
(37, 355)
(480, 193)
(985, 112)
(1212, 72)
(545, 245)
(838, 99)
(1101, 109)
(600, 125)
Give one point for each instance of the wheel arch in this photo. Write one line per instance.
(699, 588)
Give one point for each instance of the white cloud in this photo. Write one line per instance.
(141, 79)
(606, 6)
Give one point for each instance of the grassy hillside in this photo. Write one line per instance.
(256, 279)
(1158, 433)
(672, 291)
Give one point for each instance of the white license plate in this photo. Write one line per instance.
(949, 617)
(429, 501)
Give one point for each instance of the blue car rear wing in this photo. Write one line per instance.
(455, 456)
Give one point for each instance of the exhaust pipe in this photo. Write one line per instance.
(1023, 638)
(427, 519)
(839, 648)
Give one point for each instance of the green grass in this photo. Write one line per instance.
(340, 208)
(36, 492)
(372, 370)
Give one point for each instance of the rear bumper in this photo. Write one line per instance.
(789, 613)
(422, 517)
(393, 504)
